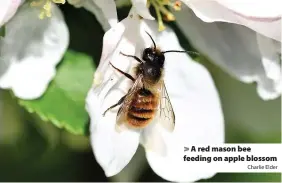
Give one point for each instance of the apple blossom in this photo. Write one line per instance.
(30, 51)
(236, 46)
(245, 54)
(199, 118)
(28, 66)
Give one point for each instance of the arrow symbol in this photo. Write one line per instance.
(186, 149)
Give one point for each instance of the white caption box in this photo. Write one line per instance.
(233, 157)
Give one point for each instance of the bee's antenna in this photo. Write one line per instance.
(178, 51)
(152, 40)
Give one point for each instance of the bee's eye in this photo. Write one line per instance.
(148, 55)
(160, 59)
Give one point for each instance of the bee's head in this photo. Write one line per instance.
(153, 56)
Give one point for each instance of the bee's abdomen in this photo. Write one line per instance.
(142, 108)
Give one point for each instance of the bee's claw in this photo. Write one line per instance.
(122, 54)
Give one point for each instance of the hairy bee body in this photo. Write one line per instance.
(147, 99)
(142, 108)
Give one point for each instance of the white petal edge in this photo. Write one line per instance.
(253, 8)
(28, 65)
(198, 113)
(7, 10)
(104, 10)
(141, 8)
(153, 140)
(210, 11)
(270, 51)
(108, 7)
(112, 149)
(232, 47)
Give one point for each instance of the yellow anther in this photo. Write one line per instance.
(177, 5)
(37, 3)
(59, 1)
(46, 6)
(42, 15)
(162, 12)
(159, 16)
(161, 26)
(169, 17)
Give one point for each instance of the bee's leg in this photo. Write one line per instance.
(113, 106)
(132, 56)
(127, 75)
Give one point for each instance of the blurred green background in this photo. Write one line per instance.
(34, 150)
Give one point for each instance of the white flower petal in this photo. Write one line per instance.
(113, 150)
(153, 140)
(28, 65)
(263, 17)
(254, 8)
(109, 9)
(270, 51)
(104, 10)
(7, 9)
(199, 118)
(142, 9)
(231, 46)
(113, 85)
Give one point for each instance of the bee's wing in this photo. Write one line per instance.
(152, 138)
(166, 114)
(122, 112)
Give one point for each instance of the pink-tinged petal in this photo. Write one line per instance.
(198, 113)
(142, 9)
(7, 10)
(233, 47)
(27, 66)
(264, 20)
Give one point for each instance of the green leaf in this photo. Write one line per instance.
(2, 31)
(63, 103)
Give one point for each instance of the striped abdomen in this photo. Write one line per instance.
(142, 108)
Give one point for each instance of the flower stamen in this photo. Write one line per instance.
(159, 16)
(160, 8)
(46, 7)
(177, 5)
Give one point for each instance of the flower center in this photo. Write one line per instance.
(46, 6)
(162, 12)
